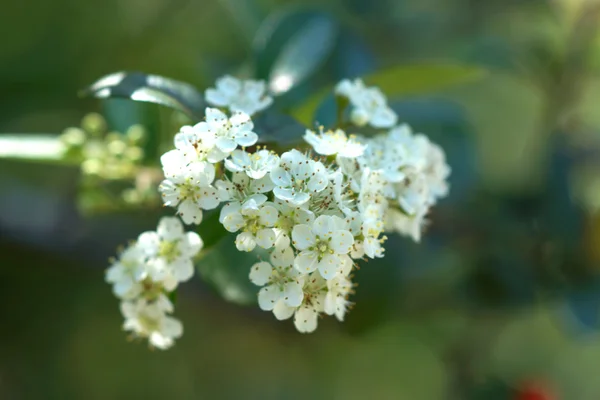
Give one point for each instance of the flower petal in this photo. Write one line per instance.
(293, 294)
(306, 262)
(189, 212)
(283, 311)
(245, 242)
(268, 215)
(260, 273)
(281, 177)
(265, 238)
(170, 228)
(329, 265)
(302, 237)
(268, 296)
(305, 319)
(341, 242)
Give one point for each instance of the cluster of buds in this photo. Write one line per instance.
(316, 212)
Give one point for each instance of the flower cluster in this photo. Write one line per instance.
(316, 212)
(144, 275)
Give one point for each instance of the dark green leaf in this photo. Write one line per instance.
(401, 81)
(278, 129)
(227, 269)
(138, 86)
(291, 45)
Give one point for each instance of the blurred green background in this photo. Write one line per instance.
(501, 300)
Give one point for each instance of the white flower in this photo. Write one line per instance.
(283, 283)
(170, 251)
(149, 319)
(324, 246)
(255, 165)
(126, 273)
(369, 104)
(436, 173)
(188, 186)
(227, 133)
(255, 221)
(412, 148)
(290, 216)
(196, 147)
(336, 300)
(246, 96)
(241, 188)
(411, 226)
(335, 199)
(307, 315)
(297, 177)
(385, 156)
(331, 143)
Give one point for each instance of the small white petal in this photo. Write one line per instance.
(265, 238)
(341, 242)
(268, 296)
(260, 273)
(329, 265)
(306, 262)
(283, 311)
(245, 242)
(305, 319)
(189, 212)
(293, 294)
(302, 237)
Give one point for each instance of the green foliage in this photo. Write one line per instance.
(291, 45)
(156, 89)
(226, 269)
(402, 80)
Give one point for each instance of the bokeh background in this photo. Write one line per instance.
(501, 299)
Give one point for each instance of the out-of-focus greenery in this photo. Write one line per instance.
(501, 300)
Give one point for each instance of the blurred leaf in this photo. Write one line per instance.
(278, 129)
(32, 147)
(138, 86)
(511, 128)
(352, 55)
(402, 81)
(227, 269)
(291, 45)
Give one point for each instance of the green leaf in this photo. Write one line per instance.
(278, 129)
(156, 89)
(402, 80)
(45, 148)
(226, 269)
(290, 46)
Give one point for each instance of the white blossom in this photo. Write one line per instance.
(298, 177)
(407, 225)
(336, 300)
(255, 165)
(170, 251)
(306, 317)
(244, 96)
(334, 142)
(282, 283)
(240, 188)
(127, 272)
(291, 215)
(254, 220)
(226, 133)
(369, 104)
(149, 319)
(188, 186)
(324, 245)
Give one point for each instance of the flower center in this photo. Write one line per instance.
(168, 250)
